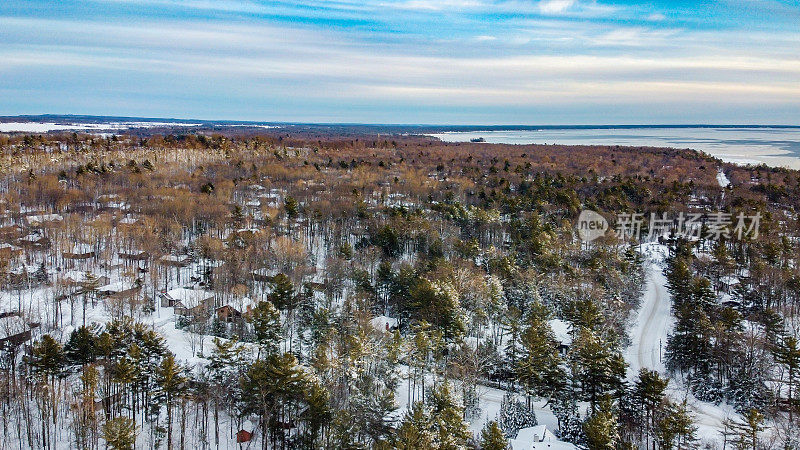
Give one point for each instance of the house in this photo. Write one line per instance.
(134, 255)
(78, 278)
(120, 289)
(127, 221)
(265, 275)
(236, 310)
(228, 314)
(383, 323)
(562, 334)
(188, 301)
(317, 281)
(35, 241)
(14, 330)
(539, 438)
(175, 260)
(38, 220)
(9, 251)
(728, 283)
(79, 252)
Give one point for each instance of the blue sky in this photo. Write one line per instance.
(407, 61)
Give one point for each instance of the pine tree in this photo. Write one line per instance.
(601, 427)
(675, 427)
(539, 367)
(514, 416)
(81, 346)
(171, 382)
(270, 383)
(120, 433)
(649, 391)
(452, 432)
(492, 437)
(47, 357)
(282, 295)
(600, 367)
(415, 431)
(266, 322)
(787, 353)
(748, 431)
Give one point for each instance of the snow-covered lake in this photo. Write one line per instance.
(774, 146)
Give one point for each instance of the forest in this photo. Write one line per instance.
(303, 289)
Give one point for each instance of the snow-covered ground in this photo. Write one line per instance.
(722, 179)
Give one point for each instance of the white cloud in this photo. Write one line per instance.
(656, 17)
(555, 6)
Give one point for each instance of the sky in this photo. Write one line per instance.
(527, 62)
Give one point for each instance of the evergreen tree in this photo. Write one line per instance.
(514, 416)
(81, 346)
(787, 353)
(748, 431)
(675, 427)
(47, 358)
(171, 382)
(120, 433)
(601, 427)
(270, 384)
(648, 392)
(266, 326)
(599, 366)
(539, 367)
(415, 431)
(282, 295)
(452, 432)
(492, 437)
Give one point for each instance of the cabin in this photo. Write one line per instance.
(9, 251)
(120, 289)
(34, 241)
(134, 255)
(265, 275)
(228, 314)
(79, 252)
(243, 436)
(126, 222)
(14, 330)
(538, 438)
(78, 278)
(188, 301)
(175, 260)
(563, 337)
(40, 220)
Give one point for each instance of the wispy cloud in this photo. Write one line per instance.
(555, 6)
(371, 59)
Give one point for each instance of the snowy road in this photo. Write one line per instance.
(653, 323)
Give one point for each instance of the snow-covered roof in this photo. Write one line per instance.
(128, 220)
(266, 272)
(39, 218)
(174, 258)
(76, 276)
(12, 325)
(118, 286)
(538, 437)
(380, 323)
(561, 330)
(189, 297)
